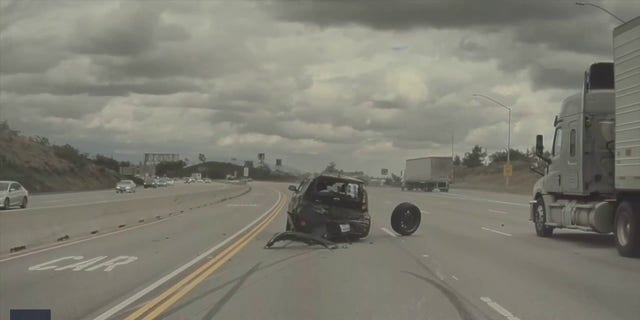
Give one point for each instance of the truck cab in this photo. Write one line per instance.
(582, 152)
(578, 189)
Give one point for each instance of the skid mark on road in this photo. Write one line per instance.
(130, 300)
(216, 308)
(453, 298)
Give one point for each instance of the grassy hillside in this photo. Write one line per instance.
(491, 178)
(42, 167)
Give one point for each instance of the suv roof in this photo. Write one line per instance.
(339, 177)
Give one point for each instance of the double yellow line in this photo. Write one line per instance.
(168, 298)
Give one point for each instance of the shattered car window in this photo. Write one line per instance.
(338, 192)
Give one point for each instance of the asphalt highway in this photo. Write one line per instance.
(475, 256)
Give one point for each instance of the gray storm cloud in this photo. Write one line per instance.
(362, 83)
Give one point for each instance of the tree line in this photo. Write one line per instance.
(478, 156)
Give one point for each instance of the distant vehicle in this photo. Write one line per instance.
(13, 194)
(150, 182)
(199, 181)
(127, 186)
(171, 182)
(592, 180)
(196, 176)
(427, 174)
(207, 180)
(189, 180)
(329, 207)
(163, 182)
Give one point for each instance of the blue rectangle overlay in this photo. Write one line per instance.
(30, 314)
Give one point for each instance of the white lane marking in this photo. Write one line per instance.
(425, 256)
(498, 211)
(389, 232)
(242, 205)
(43, 266)
(496, 231)
(82, 264)
(111, 264)
(78, 266)
(115, 309)
(454, 277)
(498, 308)
(425, 212)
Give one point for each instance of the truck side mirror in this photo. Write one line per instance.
(293, 188)
(539, 145)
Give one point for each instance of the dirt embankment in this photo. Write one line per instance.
(41, 167)
(490, 178)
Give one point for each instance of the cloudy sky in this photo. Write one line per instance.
(363, 83)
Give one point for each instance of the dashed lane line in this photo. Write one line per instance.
(496, 231)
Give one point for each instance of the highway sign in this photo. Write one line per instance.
(246, 172)
(507, 170)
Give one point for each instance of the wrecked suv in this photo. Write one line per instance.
(331, 207)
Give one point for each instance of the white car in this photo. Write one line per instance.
(13, 194)
(127, 186)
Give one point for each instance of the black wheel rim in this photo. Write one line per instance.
(408, 220)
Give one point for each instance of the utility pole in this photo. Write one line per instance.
(601, 8)
(507, 174)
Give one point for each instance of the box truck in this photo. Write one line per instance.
(427, 173)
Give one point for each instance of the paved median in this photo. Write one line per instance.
(26, 229)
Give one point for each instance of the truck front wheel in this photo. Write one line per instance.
(627, 228)
(540, 218)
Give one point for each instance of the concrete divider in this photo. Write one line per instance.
(22, 229)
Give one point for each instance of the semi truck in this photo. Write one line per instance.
(591, 181)
(427, 174)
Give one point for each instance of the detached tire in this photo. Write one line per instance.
(405, 218)
(540, 218)
(627, 229)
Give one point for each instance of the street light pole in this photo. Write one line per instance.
(506, 181)
(601, 8)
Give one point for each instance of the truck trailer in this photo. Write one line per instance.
(427, 174)
(592, 179)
